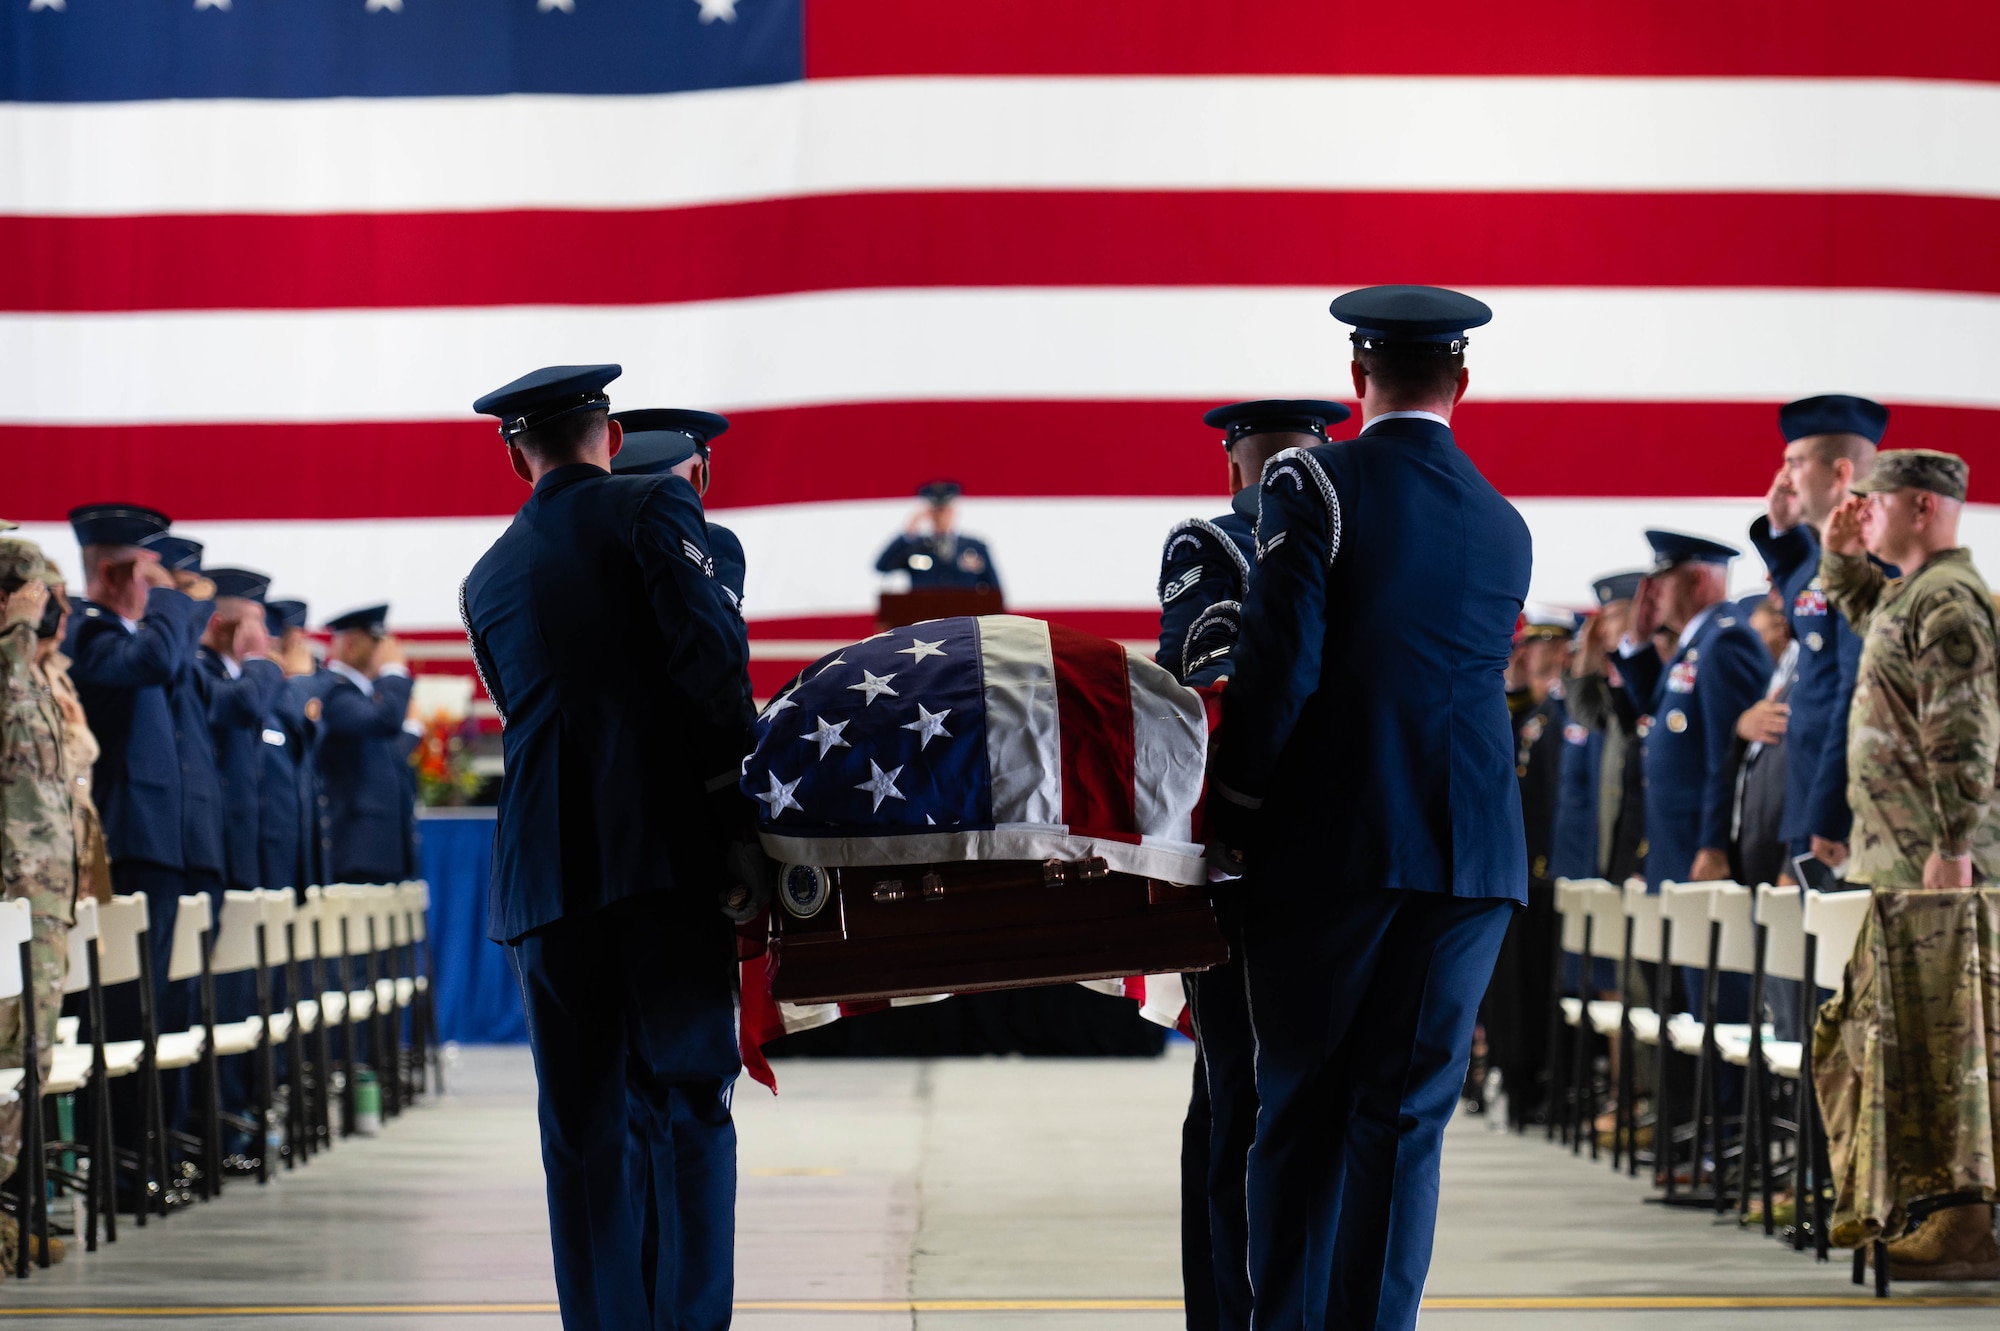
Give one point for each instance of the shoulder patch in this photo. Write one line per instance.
(1190, 538)
(1299, 470)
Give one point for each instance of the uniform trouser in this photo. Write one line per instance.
(632, 1018)
(1363, 1005)
(48, 955)
(1215, 1142)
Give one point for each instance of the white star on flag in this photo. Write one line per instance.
(392, 6)
(928, 726)
(566, 6)
(778, 704)
(919, 649)
(838, 660)
(873, 684)
(711, 10)
(779, 796)
(34, 5)
(828, 735)
(882, 785)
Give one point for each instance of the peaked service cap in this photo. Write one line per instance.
(1410, 318)
(116, 524)
(1239, 420)
(661, 438)
(548, 394)
(1833, 413)
(1673, 548)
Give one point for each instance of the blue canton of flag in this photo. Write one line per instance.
(889, 734)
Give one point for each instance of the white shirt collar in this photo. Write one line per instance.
(1410, 416)
(353, 676)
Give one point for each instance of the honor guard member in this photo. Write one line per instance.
(243, 686)
(1380, 881)
(939, 558)
(364, 752)
(618, 668)
(288, 797)
(1204, 575)
(1830, 444)
(680, 441)
(132, 640)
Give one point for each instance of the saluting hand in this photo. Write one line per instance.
(252, 640)
(25, 603)
(1781, 503)
(1843, 529)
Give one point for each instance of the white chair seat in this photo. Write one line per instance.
(1684, 1033)
(333, 1006)
(1605, 1014)
(67, 1029)
(308, 1011)
(1784, 1057)
(237, 1037)
(70, 1071)
(385, 993)
(182, 1049)
(281, 1025)
(361, 1004)
(10, 1084)
(406, 989)
(1645, 1025)
(1572, 1009)
(122, 1057)
(423, 984)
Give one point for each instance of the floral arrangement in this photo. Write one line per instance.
(443, 761)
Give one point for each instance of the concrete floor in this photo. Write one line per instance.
(918, 1195)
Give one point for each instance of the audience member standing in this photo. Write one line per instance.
(363, 753)
(1757, 851)
(1600, 824)
(1829, 444)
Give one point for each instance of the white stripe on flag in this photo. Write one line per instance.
(364, 154)
(1648, 344)
(1169, 747)
(1023, 736)
(819, 559)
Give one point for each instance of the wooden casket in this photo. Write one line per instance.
(981, 803)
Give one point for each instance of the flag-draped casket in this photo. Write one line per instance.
(979, 803)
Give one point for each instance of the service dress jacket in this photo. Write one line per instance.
(619, 668)
(1367, 719)
(364, 765)
(155, 780)
(236, 710)
(288, 789)
(1688, 707)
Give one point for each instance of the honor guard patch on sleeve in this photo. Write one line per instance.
(1681, 678)
(1677, 721)
(1574, 733)
(1299, 471)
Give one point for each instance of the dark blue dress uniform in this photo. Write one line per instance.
(1204, 576)
(618, 668)
(237, 708)
(1689, 704)
(948, 561)
(1829, 651)
(1574, 840)
(1365, 761)
(363, 764)
(288, 786)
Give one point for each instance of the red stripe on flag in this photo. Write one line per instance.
(1171, 238)
(1094, 714)
(881, 450)
(1947, 39)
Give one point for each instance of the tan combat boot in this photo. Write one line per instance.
(1954, 1244)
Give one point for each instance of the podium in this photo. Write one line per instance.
(914, 607)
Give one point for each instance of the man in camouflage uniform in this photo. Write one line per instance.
(1905, 1057)
(38, 859)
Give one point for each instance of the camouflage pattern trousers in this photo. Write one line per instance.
(1906, 1060)
(48, 956)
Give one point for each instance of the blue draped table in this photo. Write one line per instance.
(471, 982)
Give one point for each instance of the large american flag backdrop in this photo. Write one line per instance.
(258, 256)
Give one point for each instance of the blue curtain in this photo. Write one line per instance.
(471, 983)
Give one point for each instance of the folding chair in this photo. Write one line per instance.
(239, 947)
(343, 916)
(313, 928)
(280, 916)
(1684, 941)
(123, 956)
(1732, 951)
(385, 1032)
(174, 1050)
(76, 1070)
(1637, 1024)
(1781, 952)
(423, 1014)
(1832, 922)
(24, 1084)
(1599, 907)
(1568, 927)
